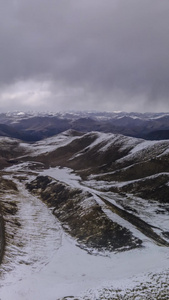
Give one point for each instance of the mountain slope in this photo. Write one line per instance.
(37, 126)
(131, 171)
(109, 194)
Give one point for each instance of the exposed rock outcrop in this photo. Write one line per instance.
(2, 238)
(82, 217)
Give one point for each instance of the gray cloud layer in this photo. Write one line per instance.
(95, 54)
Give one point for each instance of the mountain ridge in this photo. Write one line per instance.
(108, 194)
(37, 126)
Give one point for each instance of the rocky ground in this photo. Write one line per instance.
(81, 216)
(108, 192)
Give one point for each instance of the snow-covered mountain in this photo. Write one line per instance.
(86, 217)
(36, 126)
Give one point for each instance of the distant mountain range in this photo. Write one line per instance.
(37, 126)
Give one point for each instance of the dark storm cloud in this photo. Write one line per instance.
(94, 50)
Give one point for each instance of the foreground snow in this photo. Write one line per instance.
(68, 270)
(72, 271)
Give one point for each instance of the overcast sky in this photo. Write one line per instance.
(84, 55)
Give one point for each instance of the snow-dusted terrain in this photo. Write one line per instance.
(44, 262)
(35, 126)
(51, 265)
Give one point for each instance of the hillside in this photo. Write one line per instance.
(102, 194)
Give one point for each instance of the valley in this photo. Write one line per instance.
(86, 217)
